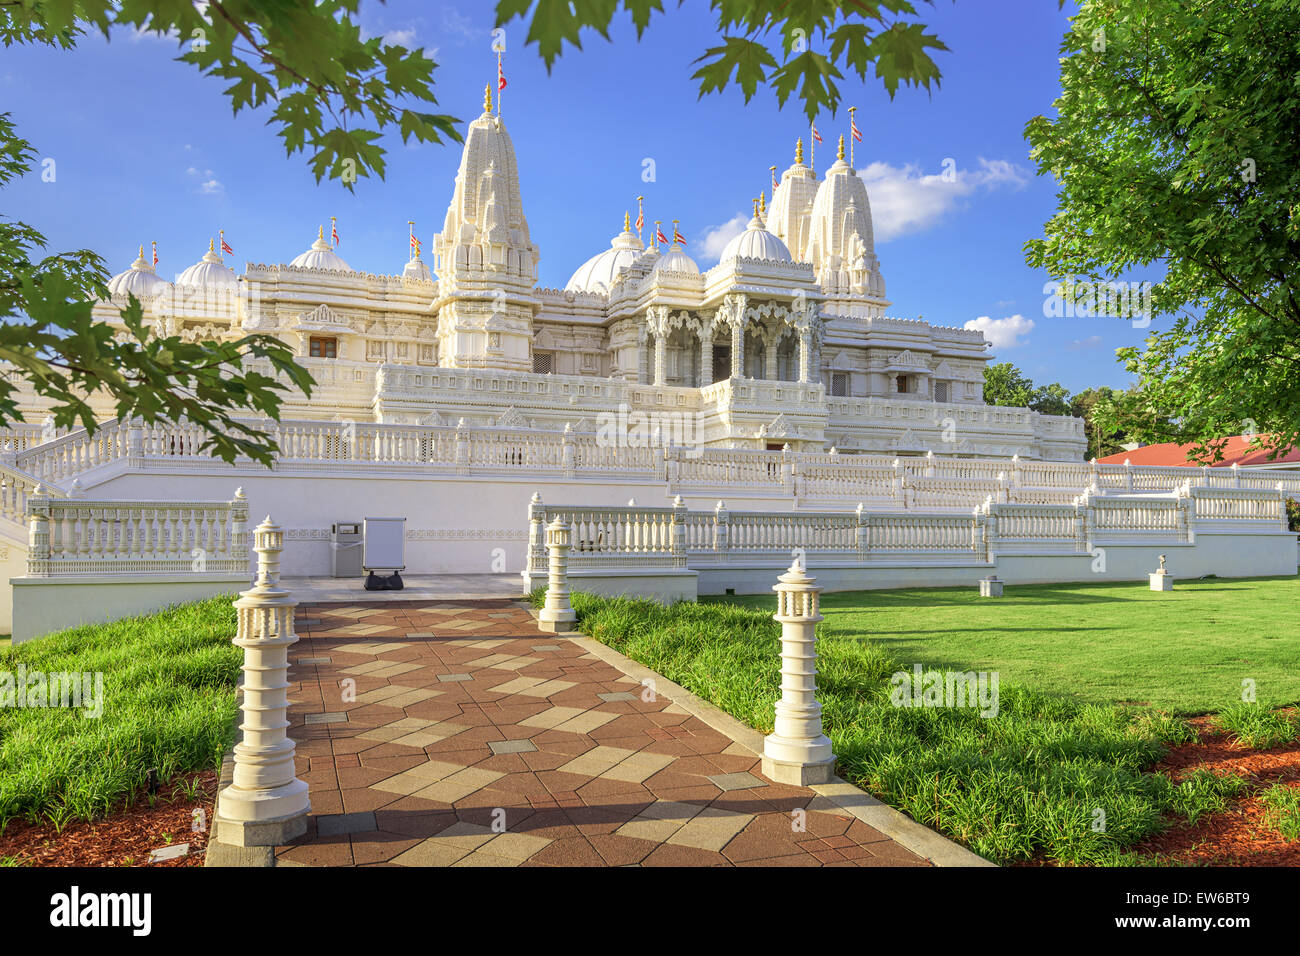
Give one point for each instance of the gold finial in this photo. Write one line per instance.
(320, 232)
(798, 152)
(627, 222)
(142, 250)
(762, 203)
(841, 152)
(755, 208)
(487, 98)
(210, 246)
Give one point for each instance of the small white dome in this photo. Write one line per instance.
(674, 260)
(598, 273)
(321, 255)
(756, 243)
(416, 269)
(140, 280)
(211, 271)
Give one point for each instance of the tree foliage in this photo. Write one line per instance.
(794, 49)
(1176, 147)
(332, 94)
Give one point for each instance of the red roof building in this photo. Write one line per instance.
(1238, 451)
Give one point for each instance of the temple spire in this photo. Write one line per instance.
(487, 98)
(840, 154)
(798, 152)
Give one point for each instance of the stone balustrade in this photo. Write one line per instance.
(87, 537)
(640, 538)
(925, 482)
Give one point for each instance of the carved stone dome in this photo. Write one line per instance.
(598, 273)
(140, 280)
(756, 243)
(674, 260)
(321, 255)
(209, 272)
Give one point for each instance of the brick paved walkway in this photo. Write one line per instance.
(476, 740)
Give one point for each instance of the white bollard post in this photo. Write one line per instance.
(798, 752)
(558, 613)
(267, 804)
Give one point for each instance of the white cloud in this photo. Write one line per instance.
(904, 199)
(138, 34)
(716, 239)
(458, 24)
(1004, 333)
(1081, 345)
(404, 38)
(212, 187)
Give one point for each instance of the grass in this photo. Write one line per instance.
(1284, 809)
(1098, 641)
(168, 704)
(1050, 775)
(1258, 727)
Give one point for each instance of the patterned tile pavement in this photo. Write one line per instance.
(456, 734)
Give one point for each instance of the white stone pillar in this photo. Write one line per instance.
(661, 358)
(738, 349)
(267, 804)
(558, 613)
(805, 356)
(798, 752)
(706, 354)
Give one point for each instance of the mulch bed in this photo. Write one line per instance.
(123, 838)
(1243, 835)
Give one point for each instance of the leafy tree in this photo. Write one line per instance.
(1175, 146)
(1088, 405)
(334, 95)
(1004, 384)
(1051, 399)
(853, 34)
(325, 83)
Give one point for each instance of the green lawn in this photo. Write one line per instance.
(168, 704)
(1187, 651)
(1054, 774)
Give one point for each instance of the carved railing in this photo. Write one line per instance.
(634, 538)
(926, 482)
(95, 537)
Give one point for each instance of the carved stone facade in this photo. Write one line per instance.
(784, 340)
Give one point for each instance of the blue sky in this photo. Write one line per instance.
(146, 149)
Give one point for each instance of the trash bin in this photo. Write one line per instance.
(345, 549)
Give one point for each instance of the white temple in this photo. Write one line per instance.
(784, 342)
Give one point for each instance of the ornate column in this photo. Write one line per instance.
(558, 613)
(769, 358)
(805, 356)
(738, 348)
(657, 325)
(805, 323)
(706, 349)
(798, 752)
(641, 336)
(267, 804)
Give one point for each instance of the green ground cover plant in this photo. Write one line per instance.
(1054, 775)
(1257, 727)
(168, 705)
(1284, 808)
